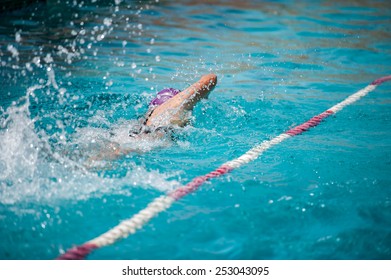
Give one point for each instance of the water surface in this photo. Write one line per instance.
(72, 73)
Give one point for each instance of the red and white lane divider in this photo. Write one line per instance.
(160, 204)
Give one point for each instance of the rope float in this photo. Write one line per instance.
(160, 204)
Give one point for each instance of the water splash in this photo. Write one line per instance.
(46, 165)
(18, 141)
(33, 170)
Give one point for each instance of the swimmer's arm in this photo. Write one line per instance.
(186, 99)
(111, 152)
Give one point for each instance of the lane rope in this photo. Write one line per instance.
(162, 203)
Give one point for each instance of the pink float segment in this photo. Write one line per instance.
(78, 252)
(311, 123)
(381, 80)
(198, 181)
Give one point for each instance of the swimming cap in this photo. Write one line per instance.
(163, 95)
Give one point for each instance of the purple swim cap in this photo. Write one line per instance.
(164, 95)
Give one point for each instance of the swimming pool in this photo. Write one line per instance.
(71, 73)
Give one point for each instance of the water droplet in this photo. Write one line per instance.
(107, 21)
(18, 38)
(48, 58)
(28, 67)
(37, 61)
(100, 37)
(13, 51)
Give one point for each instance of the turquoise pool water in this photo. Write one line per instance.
(72, 73)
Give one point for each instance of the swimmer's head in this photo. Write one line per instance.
(163, 95)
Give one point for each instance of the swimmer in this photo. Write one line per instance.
(172, 107)
(169, 109)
